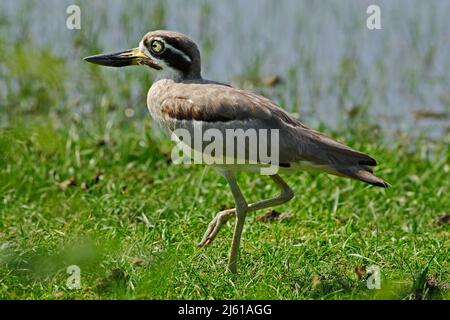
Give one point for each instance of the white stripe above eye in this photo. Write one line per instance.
(166, 45)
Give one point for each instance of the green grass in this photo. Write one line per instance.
(102, 194)
(82, 184)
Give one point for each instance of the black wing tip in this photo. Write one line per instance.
(382, 184)
(368, 162)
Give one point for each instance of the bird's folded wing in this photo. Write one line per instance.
(216, 105)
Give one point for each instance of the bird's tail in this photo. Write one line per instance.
(340, 159)
(363, 173)
(353, 164)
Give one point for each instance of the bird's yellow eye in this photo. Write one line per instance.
(157, 46)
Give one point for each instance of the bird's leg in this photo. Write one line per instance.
(241, 211)
(285, 195)
(215, 225)
(223, 216)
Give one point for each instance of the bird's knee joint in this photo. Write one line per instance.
(289, 194)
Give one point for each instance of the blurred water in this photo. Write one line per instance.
(329, 61)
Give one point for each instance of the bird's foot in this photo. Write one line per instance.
(215, 225)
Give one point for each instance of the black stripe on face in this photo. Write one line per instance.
(178, 45)
(176, 60)
(171, 57)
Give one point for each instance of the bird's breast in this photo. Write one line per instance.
(156, 95)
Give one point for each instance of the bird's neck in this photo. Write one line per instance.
(177, 75)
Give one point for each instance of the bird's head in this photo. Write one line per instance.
(173, 54)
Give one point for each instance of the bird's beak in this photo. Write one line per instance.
(124, 58)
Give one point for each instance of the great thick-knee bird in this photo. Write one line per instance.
(181, 99)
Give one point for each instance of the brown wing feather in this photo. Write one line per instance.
(212, 102)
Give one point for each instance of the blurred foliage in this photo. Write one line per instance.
(33, 80)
